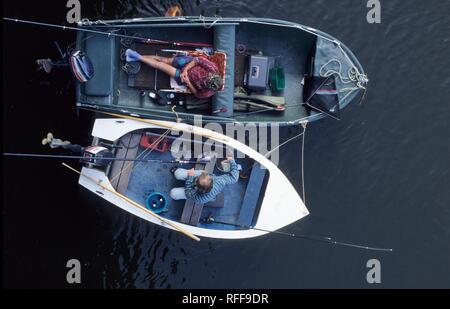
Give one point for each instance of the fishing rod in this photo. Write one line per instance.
(26, 155)
(109, 34)
(329, 240)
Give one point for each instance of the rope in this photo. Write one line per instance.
(353, 76)
(303, 134)
(304, 125)
(203, 19)
(176, 114)
(284, 143)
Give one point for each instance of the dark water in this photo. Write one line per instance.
(380, 176)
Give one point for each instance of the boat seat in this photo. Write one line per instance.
(101, 51)
(225, 41)
(252, 195)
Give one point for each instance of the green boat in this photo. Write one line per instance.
(274, 71)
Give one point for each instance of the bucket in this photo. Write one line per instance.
(157, 203)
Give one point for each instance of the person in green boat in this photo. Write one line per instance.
(199, 74)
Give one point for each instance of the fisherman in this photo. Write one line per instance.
(54, 143)
(201, 187)
(199, 74)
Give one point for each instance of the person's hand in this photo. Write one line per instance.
(191, 173)
(184, 77)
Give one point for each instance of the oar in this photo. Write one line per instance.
(175, 226)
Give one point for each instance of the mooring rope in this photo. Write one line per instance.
(304, 125)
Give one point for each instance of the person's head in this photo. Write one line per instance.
(204, 183)
(214, 82)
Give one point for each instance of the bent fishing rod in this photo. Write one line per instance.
(27, 155)
(329, 240)
(109, 34)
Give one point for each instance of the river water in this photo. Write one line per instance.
(380, 176)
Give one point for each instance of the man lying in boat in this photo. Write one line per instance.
(201, 187)
(199, 74)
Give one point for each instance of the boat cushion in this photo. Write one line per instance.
(101, 50)
(224, 41)
(252, 195)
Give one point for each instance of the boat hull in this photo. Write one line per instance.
(281, 204)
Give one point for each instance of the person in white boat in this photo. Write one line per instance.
(202, 187)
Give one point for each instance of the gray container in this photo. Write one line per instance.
(257, 74)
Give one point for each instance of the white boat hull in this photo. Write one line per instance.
(280, 207)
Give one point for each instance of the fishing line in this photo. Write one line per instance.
(328, 240)
(109, 34)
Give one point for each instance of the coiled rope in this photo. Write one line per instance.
(353, 76)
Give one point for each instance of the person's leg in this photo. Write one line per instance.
(159, 65)
(168, 60)
(182, 174)
(178, 194)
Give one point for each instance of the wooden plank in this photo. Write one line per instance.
(252, 195)
(196, 214)
(121, 170)
(128, 166)
(187, 212)
(117, 166)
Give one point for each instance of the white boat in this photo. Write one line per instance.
(262, 202)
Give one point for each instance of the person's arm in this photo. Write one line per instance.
(189, 189)
(207, 64)
(233, 176)
(191, 87)
(189, 66)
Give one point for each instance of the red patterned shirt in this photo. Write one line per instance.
(199, 73)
